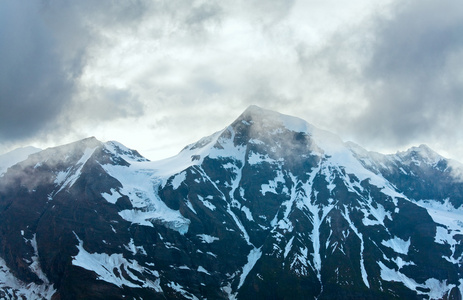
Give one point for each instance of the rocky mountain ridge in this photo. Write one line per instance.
(269, 207)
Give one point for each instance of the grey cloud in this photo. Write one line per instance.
(404, 68)
(410, 80)
(204, 13)
(44, 48)
(105, 103)
(417, 39)
(400, 71)
(33, 82)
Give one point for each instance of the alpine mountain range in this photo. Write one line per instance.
(270, 207)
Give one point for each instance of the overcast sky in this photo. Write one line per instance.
(157, 75)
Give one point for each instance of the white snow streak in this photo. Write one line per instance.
(35, 266)
(288, 247)
(66, 179)
(256, 158)
(180, 289)
(398, 245)
(451, 220)
(362, 247)
(437, 288)
(104, 265)
(253, 257)
(208, 239)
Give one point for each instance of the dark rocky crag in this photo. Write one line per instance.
(268, 208)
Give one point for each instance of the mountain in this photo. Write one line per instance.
(268, 208)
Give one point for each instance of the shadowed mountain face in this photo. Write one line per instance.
(268, 208)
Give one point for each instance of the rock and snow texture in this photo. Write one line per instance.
(268, 207)
(140, 184)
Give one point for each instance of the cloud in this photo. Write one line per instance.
(45, 48)
(386, 74)
(396, 76)
(34, 82)
(413, 80)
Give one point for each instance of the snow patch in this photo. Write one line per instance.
(178, 179)
(437, 288)
(247, 213)
(140, 185)
(19, 289)
(398, 245)
(450, 225)
(180, 289)
(256, 158)
(202, 270)
(362, 247)
(207, 203)
(378, 213)
(167, 218)
(208, 239)
(253, 257)
(273, 184)
(109, 268)
(135, 249)
(112, 197)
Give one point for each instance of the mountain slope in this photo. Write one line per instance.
(270, 208)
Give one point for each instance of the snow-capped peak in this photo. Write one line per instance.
(420, 154)
(268, 119)
(123, 152)
(330, 219)
(262, 120)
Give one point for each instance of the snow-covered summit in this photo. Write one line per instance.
(123, 152)
(420, 154)
(257, 125)
(268, 119)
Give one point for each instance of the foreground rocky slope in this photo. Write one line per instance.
(268, 208)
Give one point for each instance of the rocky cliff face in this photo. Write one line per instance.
(268, 208)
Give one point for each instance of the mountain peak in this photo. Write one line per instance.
(324, 218)
(421, 153)
(268, 118)
(253, 108)
(259, 126)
